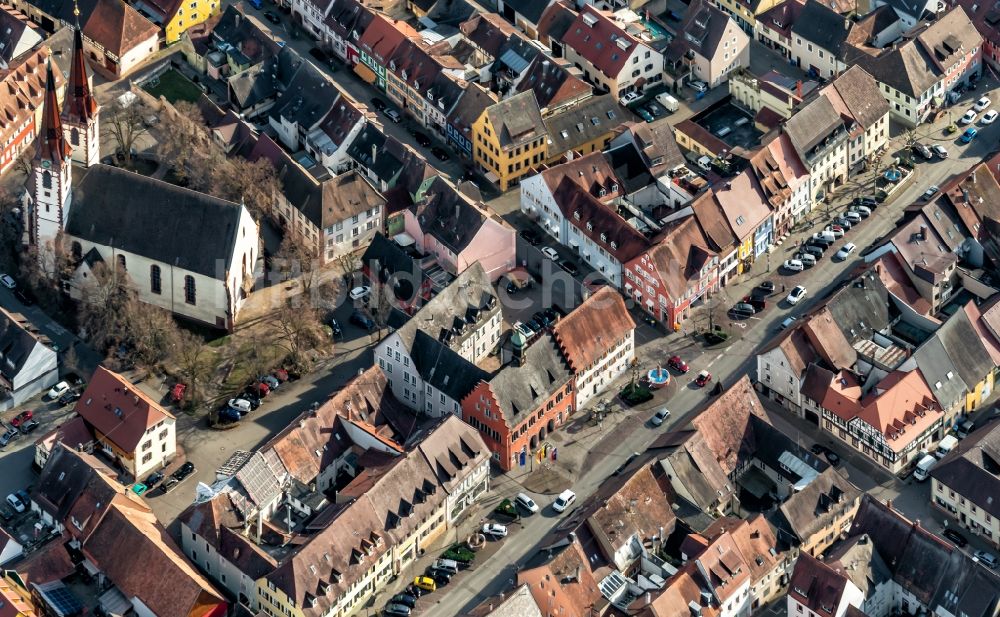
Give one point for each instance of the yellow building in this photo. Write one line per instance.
(510, 140)
(15, 597)
(176, 16)
(745, 14)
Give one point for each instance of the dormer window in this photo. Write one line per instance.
(614, 245)
(604, 237)
(392, 65)
(590, 226)
(614, 188)
(602, 192)
(576, 215)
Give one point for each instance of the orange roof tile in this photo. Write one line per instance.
(591, 329)
(118, 410)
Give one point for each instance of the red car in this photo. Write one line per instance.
(281, 375)
(177, 392)
(678, 365)
(21, 418)
(260, 388)
(703, 379)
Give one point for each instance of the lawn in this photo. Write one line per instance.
(174, 86)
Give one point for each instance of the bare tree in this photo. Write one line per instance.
(179, 142)
(125, 124)
(193, 363)
(103, 313)
(380, 304)
(299, 330)
(151, 333)
(298, 258)
(255, 184)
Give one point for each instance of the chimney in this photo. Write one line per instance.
(847, 24)
(374, 152)
(923, 232)
(888, 503)
(798, 89)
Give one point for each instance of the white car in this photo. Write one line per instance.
(982, 104)
(240, 405)
(15, 502)
(550, 253)
(699, 86)
(495, 529)
(526, 502)
(793, 265)
(845, 250)
(629, 98)
(796, 294)
(564, 500)
(989, 117)
(57, 390)
(969, 117)
(360, 292)
(661, 414)
(7, 281)
(940, 150)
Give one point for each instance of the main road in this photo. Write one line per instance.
(495, 575)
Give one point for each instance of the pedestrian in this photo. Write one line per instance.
(782, 288)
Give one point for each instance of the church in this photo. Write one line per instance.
(182, 250)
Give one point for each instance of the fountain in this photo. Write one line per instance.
(658, 377)
(893, 175)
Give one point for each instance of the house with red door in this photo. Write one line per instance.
(516, 408)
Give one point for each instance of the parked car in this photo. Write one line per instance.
(440, 153)
(228, 414)
(815, 251)
(240, 405)
(703, 379)
(335, 328)
(836, 230)
(741, 310)
(808, 259)
(643, 113)
(252, 398)
(495, 529)
(793, 265)
(362, 320)
(957, 538)
(15, 501)
(795, 295)
(987, 559)
(699, 86)
(153, 479)
(70, 397)
(7, 281)
(271, 381)
(923, 151)
(271, 17)
(989, 117)
(425, 582)
(786, 323)
(379, 104)
(629, 97)
(441, 578)
(360, 293)
(678, 365)
(767, 287)
(22, 417)
(526, 502)
(845, 251)
(982, 103)
(550, 253)
(168, 485)
(260, 388)
(843, 222)
(393, 114)
(969, 117)
(405, 599)
(25, 296)
(863, 211)
(8, 436)
(569, 267)
(396, 610)
(852, 217)
(564, 500)
(29, 427)
(660, 416)
(968, 135)
(57, 390)
(529, 237)
(421, 139)
(940, 150)
(184, 471)
(931, 191)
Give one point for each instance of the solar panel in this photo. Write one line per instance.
(61, 599)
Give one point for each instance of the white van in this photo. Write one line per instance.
(946, 445)
(705, 163)
(924, 467)
(669, 102)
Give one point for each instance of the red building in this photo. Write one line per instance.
(675, 273)
(520, 405)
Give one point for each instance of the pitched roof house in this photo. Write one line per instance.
(712, 45)
(28, 363)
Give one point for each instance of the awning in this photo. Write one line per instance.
(492, 177)
(365, 73)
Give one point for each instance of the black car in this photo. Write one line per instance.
(254, 400)
(440, 153)
(955, 537)
(551, 315)
(70, 397)
(405, 599)
(271, 17)
(813, 250)
(570, 267)
(29, 427)
(24, 296)
(421, 139)
(378, 104)
(535, 325)
(413, 590)
(362, 320)
(168, 485)
(869, 202)
(440, 577)
(832, 458)
(542, 318)
(818, 449)
(529, 237)
(153, 479)
(767, 287)
(320, 55)
(185, 470)
(741, 311)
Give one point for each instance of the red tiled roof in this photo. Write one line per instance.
(601, 44)
(592, 328)
(118, 410)
(118, 27)
(599, 222)
(679, 257)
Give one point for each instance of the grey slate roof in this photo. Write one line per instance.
(808, 511)
(953, 356)
(972, 469)
(307, 99)
(447, 215)
(584, 122)
(706, 24)
(16, 344)
(822, 26)
(443, 368)
(937, 368)
(905, 68)
(470, 295)
(859, 310)
(522, 389)
(811, 124)
(530, 9)
(517, 120)
(155, 219)
(860, 93)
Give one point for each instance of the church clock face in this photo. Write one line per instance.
(46, 164)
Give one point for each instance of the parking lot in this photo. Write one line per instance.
(730, 124)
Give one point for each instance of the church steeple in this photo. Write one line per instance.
(80, 113)
(51, 145)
